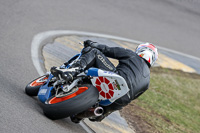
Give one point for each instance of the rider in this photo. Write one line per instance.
(133, 67)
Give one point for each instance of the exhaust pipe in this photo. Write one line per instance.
(98, 111)
(92, 112)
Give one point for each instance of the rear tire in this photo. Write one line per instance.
(33, 87)
(71, 106)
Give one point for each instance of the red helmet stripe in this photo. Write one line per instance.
(149, 60)
(152, 47)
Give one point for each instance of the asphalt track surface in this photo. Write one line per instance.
(173, 24)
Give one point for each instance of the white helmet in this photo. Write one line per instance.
(147, 51)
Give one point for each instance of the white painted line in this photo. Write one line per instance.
(35, 48)
(56, 33)
(87, 129)
(179, 53)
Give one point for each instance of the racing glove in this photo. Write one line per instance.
(90, 43)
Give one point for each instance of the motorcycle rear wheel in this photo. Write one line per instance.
(33, 87)
(77, 102)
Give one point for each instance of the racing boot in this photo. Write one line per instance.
(55, 72)
(69, 74)
(66, 74)
(75, 119)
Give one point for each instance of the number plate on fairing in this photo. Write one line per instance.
(42, 92)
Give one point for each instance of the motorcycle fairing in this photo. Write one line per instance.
(110, 85)
(45, 91)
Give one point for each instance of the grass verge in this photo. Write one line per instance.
(171, 104)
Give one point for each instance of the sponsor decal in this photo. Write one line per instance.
(42, 91)
(116, 85)
(104, 87)
(141, 55)
(104, 62)
(108, 72)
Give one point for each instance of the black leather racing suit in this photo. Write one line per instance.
(131, 67)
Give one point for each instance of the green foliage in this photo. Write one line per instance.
(173, 100)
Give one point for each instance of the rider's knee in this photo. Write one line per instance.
(90, 49)
(86, 50)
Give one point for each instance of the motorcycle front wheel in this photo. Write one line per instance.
(33, 87)
(78, 101)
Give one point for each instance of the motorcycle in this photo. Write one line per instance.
(84, 97)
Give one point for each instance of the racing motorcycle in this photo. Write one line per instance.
(83, 97)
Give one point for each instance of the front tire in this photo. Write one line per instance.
(58, 109)
(33, 87)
